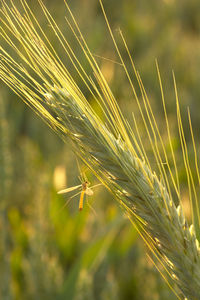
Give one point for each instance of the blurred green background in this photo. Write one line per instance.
(51, 252)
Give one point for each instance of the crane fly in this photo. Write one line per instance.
(84, 190)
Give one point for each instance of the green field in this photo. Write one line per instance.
(49, 250)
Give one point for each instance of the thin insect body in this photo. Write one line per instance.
(85, 190)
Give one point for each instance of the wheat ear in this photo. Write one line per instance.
(143, 196)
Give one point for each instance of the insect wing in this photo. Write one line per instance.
(89, 192)
(73, 188)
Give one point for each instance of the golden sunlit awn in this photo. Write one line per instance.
(84, 190)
